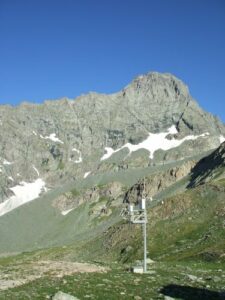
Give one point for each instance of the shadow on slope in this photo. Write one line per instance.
(188, 292)
(209, 167)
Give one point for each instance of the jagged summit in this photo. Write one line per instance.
(148, 81)
(160, 78)
(156, 84)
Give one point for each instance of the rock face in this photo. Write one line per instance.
(153, 184)
(101, 198)
(65, 139)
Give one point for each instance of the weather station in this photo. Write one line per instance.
(137, 214)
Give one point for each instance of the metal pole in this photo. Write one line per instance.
(145, 245)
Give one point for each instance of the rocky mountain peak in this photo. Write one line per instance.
(160, 83)
(152, 121)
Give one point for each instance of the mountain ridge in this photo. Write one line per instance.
(66, 139)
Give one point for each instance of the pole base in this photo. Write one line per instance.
(137, 269)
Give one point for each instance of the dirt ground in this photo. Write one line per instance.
(20, 275)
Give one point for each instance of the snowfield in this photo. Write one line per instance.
(154, 142)
(23, 193)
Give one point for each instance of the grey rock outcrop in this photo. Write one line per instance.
(63, 296)
(153, 184)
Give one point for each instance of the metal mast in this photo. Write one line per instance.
(138, 215)
(144, 230)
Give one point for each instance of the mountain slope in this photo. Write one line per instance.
(83, 210)
(152, 128)
(158, 142)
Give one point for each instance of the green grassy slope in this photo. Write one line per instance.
(186, 239)
(164, 279)
(38, 224)
(183, 227)
(188, 226)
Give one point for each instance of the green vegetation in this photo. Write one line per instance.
(186, 241)
(204, 282)
(61, 165)
(75, 192)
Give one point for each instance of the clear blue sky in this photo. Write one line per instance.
(50, 49)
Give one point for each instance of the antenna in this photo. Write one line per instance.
(143, 192)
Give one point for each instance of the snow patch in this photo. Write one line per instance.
(154, 142)
(35, 133)
(109, 152)
(86, 174)
(222, 139)
(52, 137)
(79, 160)
(23, 193)
(65, 212)
(172, 130)
(6, 162)
(10, 178)
(36, 170)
